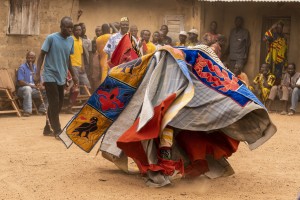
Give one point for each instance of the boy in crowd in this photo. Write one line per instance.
(263, 83)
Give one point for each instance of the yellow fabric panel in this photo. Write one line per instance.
(84, 117)
(133, 71)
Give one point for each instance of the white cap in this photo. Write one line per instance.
(195, 31)
(183, 33)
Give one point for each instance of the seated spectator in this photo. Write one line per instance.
(27, 89)
(237, 70)
(285, 89)
(182, 39)
(263, 83)
(295, 97)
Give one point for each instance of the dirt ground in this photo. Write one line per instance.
(36, 167)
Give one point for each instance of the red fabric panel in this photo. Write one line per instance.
(123, 52)
(130, 141)
(166, 167)
(199, 144)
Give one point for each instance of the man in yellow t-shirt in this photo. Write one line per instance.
(76, 58)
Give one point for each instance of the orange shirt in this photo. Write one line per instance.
(150, 48)
(101, 42)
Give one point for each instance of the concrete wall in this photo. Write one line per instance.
(14, 47)
(144, 14)
(253, 13)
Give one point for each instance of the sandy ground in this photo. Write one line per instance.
(36, 167)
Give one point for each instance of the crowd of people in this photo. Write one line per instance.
(88, 62)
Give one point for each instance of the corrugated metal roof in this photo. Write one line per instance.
(252, 0)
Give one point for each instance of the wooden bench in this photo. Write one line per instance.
(8, 94)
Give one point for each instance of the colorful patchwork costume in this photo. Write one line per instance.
(180, 99)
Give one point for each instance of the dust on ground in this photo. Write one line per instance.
(36, 167)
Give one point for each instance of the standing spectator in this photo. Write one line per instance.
(115, 27)
(76, 59)
(150, 47)
(212, 36)
(103, 57)
(27, 89)
(115, 38)
(285, 89)
(165, 40)
(156, 39)
(219, 45)
(141, 33)
(277, 50)
(98, 32)
(182, 39)
(87, 50)
(58, 47)
(134, 32)
(193, 37)
(239, 44)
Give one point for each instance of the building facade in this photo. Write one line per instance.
(43, 17)
(258, 18)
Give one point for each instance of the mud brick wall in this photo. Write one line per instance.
(13, 48)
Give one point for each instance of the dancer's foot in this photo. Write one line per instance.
(165, 153)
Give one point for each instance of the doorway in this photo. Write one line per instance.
(175, 24)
